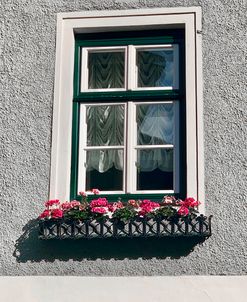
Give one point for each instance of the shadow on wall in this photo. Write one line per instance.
(29, 248)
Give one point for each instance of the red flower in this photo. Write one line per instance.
(56, 213)
(147, 206)
(45, 214)
(50, 203)
(183, 211)
(99, 210)
(190, 202)
(95, 191)
(100, 202)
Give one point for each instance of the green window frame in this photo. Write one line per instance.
(113, 39)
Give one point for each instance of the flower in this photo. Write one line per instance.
(133, 203)
(183, 211)
(116, 205)
(69, 205)
(168, 199)
(56, 213)
(100, 210)
(45, 214)
(147, 206)
(100, 202)
(189, 202)
(95, 191)
(84, 194)
(51, 203)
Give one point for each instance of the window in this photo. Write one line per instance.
(128, 104)
(128, 143)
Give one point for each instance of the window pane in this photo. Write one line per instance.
(104, 170)
(105, 125)
(106, 69)
(155, 68)
(155, 124)
(155, 169)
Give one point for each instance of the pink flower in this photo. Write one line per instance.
(133, 203)
(45, 214)
(116, 205)
(66, 206)
(100, 202)
(183, 211)
(50, 203)
(95, 191)
(69, 205)
(169, 199)
(99, 210)
(84, 194)
(75, 203)
(56, 213)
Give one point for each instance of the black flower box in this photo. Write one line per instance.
(199, 226)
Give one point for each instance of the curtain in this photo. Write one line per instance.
(106, 70)
(105, 127)
(155, 68)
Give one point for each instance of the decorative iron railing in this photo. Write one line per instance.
(139, 227)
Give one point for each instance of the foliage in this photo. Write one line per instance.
(100, 209)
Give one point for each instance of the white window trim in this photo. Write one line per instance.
(138, 19)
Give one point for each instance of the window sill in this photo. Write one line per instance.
(138, 227)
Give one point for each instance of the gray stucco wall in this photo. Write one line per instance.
(27, 63)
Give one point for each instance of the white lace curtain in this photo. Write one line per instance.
(106, 70)
(105, 127)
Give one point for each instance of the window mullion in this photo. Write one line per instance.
(130, 162)
(131, 67)
(82, 151)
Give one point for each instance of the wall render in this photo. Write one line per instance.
(27, 63)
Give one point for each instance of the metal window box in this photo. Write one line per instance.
(139, 227)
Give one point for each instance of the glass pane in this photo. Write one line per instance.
(155, 124)
(106, 69)
(155, 68)
(104, 170)
(155, 169)
(105, 125)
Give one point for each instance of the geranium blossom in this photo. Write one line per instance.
(84, 194)
(56, 213)
(70, 205)
(53, 202)
(189, 202)
(183, 211)
(116, 205)
(134, 203)
(169, 200)
(95, 191)
(100, 210)
(45, 214)
(100, 202)
(148, 206)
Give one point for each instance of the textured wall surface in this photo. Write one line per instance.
(27, 63)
